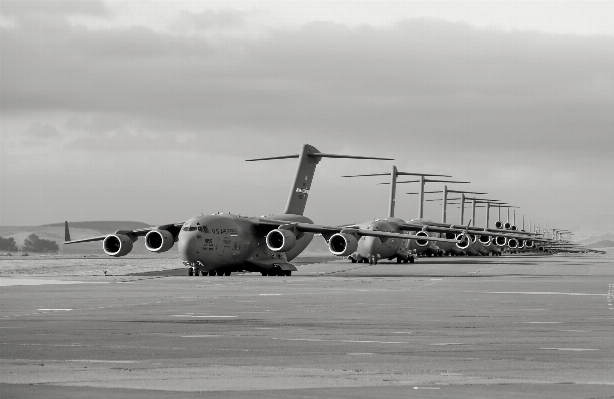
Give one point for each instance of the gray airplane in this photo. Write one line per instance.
(372, 250)
(220, 244)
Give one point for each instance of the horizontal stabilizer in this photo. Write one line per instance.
(323, 155)
(269, 158)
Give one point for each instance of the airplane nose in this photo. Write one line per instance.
(187, 247)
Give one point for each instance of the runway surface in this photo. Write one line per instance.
(505, 327)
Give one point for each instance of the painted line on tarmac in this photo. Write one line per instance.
(340, 340)
(569, 349)
(205, 316)
(544, 293)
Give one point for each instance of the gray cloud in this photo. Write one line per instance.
(42, 131)
(48, 8)
(518, 90)
(527, 115)
(210, 19)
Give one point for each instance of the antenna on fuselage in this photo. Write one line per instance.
(393, 184)
(308, 159)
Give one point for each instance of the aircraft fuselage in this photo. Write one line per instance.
(227, 242)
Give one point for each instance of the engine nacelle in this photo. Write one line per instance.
(507, 225)
(422, 243)
(159, 241)
(117, 245)
(463, 241)
(342, 244)
(512, 243)
(529, 244)
(485, 240)
(499, 225)
(520, 244)
(280, 240)
(500, 241)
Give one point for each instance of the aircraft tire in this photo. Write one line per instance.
(264, 273)
(190, 271)
(227, 273)
(411, 259)
(287, 272)
(353, 260)
(398, 259)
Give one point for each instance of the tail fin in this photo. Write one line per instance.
(66, 232)
(308, 159)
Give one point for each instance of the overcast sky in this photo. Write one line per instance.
(146, 111)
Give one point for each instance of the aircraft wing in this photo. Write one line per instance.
(328, 231)
(133, 233)
(442, 228)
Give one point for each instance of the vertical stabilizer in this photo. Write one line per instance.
(393, 191)
(302, 181)
(307, 162)
(66, 232)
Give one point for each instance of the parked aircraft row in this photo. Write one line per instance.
(220, 244)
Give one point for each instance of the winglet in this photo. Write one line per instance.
(66, 232)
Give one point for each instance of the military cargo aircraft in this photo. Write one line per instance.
(220, 244)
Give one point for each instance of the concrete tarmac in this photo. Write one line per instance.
(505, 327)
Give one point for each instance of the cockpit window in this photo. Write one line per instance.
(204, 229)
(190, 228)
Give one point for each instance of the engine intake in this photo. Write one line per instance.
(342, 244)
(529, 244)
(500, 241)
(485, 240)
(512, 243)
(520, 244)
(159, 241)
(422, 243)
(280, 240)
(463, 241)
(117, 245)
(499, 225)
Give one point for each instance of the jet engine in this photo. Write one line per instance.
(342, 244)
(499, 225)
(500, 241)
(117, 245)
(422, 243)
(512, 243)
(520, 244)
(529, 244)
(159, 241)
(463, 241)
(485, 240)
(280, 240)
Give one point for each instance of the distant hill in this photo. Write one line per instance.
(601, 244)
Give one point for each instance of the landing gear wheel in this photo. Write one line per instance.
(288, 272)
(398, 259)
(190, 272)
(353, 260)
(411, 259)
(227, 273)
(264, 273)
